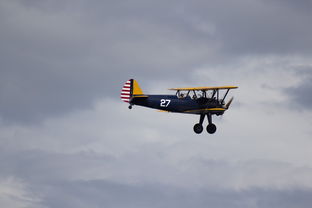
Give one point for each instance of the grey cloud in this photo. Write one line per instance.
(102, 193)
(38, 167)
(56, 61)
(299, 6)
(66, 180)
(47, 181)
(300, 95)
(95, 193)
(259, 27)
(58, 56)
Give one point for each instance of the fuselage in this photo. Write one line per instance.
(172, 103)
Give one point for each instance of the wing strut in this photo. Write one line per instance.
(225, 95)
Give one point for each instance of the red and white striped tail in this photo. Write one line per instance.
(126, 91)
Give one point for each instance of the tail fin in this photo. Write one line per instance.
(130, 89)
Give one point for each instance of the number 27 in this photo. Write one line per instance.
(164, 102)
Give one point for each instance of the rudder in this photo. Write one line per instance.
(126, 91)
(130, 89)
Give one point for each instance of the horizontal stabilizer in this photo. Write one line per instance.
(140, 96)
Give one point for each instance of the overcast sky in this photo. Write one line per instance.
(67, 140)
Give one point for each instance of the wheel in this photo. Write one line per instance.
(211, 128)
(130, 107)
(198, 128)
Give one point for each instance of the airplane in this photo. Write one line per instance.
(205, 101)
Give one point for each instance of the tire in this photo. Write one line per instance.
(211, 128)
(198, 128)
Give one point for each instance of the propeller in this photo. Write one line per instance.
(226, 106)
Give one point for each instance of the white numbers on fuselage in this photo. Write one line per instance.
(164, 102)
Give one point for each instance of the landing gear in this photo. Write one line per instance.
(130, 107)
(211, 128)
(198, 128)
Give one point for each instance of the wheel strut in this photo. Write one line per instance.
(211, 128)
(201, 119)
(209, 118)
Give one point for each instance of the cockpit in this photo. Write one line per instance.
(192, 94)
(182, 94)
(202, 96)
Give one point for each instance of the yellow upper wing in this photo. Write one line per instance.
(205, 88)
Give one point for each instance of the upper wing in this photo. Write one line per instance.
(205, 88)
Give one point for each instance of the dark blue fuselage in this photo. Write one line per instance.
(172, 103)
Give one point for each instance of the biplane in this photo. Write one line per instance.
(204, 101)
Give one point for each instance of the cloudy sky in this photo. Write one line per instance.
(67, 140)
